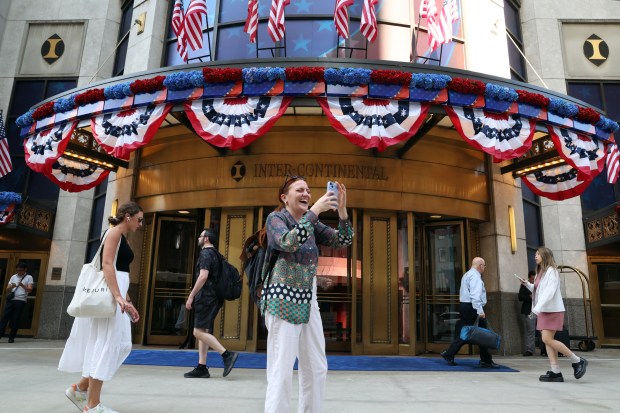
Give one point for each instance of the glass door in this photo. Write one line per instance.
(605, 292)
(37, 265)
(175, 249)
(438, 284)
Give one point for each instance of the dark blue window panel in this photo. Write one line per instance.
(515, 58)
(16, 142)
(612, 100)
(234, 43)
(528, 194)
(511, 15)
(310, 38)
(599, 194)
(26, 94)
(235, 10)
(42, 189)
(531, 215)
(56, 87)
(588, 92)
(16, 180)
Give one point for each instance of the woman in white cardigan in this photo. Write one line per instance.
(548, 307)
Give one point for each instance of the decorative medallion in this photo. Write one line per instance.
(596, 50)
(52, 49)
(237, 172)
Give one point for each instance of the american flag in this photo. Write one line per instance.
(341, 17)
(251, 22)
(613, 163)
(449, 14)
(369, 20)
(179, 28)
(435, 36)
(193, 23)
(424, 8)
(6, 165)
(276, 19)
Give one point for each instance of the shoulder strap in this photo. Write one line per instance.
(100, 249)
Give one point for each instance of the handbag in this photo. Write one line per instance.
(11, 295)
(480, 336)
(92, 297)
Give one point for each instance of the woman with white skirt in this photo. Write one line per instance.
(97, 347)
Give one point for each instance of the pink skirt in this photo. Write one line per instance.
(550, 321)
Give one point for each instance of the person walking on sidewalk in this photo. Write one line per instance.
(548, 307)
(98, 346)
(525, 296)
(289, 301)
(206, 305)
(20, 285)
(473, 298)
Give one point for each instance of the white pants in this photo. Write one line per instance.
(285, 343)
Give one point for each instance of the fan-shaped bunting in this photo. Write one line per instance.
(374, 123)
(235, 122)
(123, 132)
(559, 183)
(44, 148)
(503, 136)
(582, 152)
(74, 176)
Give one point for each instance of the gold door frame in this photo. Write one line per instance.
(231, 324)
(380, 283)
(426, 345)
(13, 258)
(596, 304)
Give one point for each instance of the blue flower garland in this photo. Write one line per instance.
(25, 119)
(7, 198)
(501, 93)
(117, 91)
(562, 108)
(429, 81)
(64, 104)
(184, 80)
(262, 74)
(347, 76)
(607, 125)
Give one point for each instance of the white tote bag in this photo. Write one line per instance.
(92, 297)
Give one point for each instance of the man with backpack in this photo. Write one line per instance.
(207, 304)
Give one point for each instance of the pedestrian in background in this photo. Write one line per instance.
(473, 298)
(98, 346)
(289, 301)
(20, 285)
(525, 296)
(547, 305)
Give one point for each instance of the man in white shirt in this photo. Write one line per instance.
(20, 285)
(473, 298)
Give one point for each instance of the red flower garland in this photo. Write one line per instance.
(587, 115)
(147, 85)
(533, 99)
(390, 77)
(304, 73)
(43, 111)
(221, 75)
(88, 97)
(467, 86)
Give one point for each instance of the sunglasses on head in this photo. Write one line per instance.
(291, 178)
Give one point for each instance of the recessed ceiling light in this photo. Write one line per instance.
(183, 212)
(435, 216)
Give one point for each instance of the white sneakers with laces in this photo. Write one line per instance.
(100, 408)
(77, 396)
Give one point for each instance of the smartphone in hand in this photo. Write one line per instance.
(332, 187)
(520, 279)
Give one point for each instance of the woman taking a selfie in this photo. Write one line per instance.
(289, 301)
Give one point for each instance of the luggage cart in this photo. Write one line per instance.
(586, 343)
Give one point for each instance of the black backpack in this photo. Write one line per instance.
(253, 262)
(228, 285)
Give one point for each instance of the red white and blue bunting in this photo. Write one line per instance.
(44, 148)
(559, 183)
(501, 135)
(74, 176)
(123, 132)
(374, 123)
(235, 122)
(613, 163)
(582, 152)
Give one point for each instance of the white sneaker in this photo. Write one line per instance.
(100, 408)
(77, 396)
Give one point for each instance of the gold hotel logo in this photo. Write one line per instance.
(596, 50)
(52, 49)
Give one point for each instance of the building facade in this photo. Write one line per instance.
(422, 208)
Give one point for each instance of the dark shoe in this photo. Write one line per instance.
(489, 365)
(528, 354)
(551, 376)
(447, 358)
(11, 340)
(580, 367)
(229, 362)
(199, 372)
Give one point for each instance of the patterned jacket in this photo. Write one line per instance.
(289, 292)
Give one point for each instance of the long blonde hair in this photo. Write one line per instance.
(546, 260)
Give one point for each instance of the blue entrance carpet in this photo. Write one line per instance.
(189, 358)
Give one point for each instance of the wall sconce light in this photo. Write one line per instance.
(513, 229)
(114, 208)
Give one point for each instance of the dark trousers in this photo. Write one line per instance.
(13, 313)
(468, 318)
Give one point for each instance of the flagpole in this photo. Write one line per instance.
(527, 61)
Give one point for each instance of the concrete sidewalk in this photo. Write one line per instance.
(30, 382)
